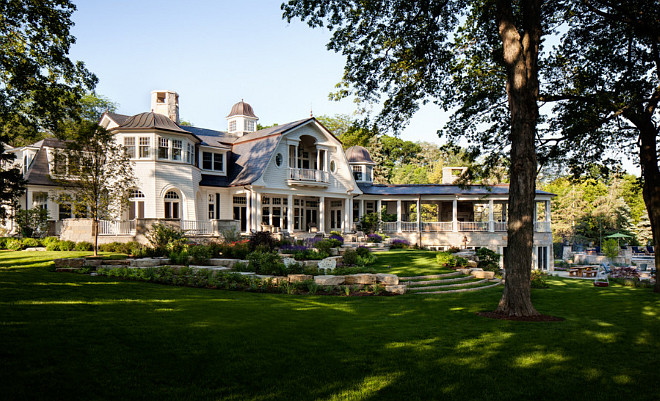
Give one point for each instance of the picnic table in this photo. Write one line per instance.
(583, 271)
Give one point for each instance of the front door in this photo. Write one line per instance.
(240, 213)
(311, 218)
(335, 219)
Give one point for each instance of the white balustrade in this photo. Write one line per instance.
(408, 226)
(388, 226)
(197, 227)
(472, 226)
(499, 225)
(108, 227)
(306, 174)
(436, 226)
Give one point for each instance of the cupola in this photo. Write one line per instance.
(241, 119)
(165, 103)
(361, 163)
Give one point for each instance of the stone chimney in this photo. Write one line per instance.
(166, 103)
(451, 174)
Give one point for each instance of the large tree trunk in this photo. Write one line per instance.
(648, 158)
(95, 232)
(520, 57)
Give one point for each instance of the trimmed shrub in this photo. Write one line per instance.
(67, 245)
(15, 244)
(324, 246)
(539, 279)
(266, 263)
(362, 251)
(160, 236)
(53, 246)
(235, 250)
(263, 240)
(199, 254)
(49, 240)
(309, 254)
(3, 242)
(350, 257)
(488, 260)
(30, 243)
(84, 246)
(180, 258)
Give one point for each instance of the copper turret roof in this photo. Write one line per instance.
(358, 154)
(242, 109)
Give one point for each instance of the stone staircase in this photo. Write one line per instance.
(446, 283)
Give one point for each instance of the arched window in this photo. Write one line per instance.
(172, 205)
(136, 204)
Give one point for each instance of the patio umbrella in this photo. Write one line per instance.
(618, 236)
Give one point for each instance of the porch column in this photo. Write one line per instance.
(322, 214)
(419, 213)
(348, 207)
(326, 162)
(398, 216)
(547, 219)
(454, 216)
(491, 225)
(296, 161)
(361, 204)
(289, 214)
(255, 210)
(379, 206)
(318, 159)
(257, 213)
(248, 211)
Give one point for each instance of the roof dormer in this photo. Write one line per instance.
(361, 163)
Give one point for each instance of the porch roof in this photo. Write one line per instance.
(437, 189)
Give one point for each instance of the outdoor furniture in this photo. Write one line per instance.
(580, 270)
(590, 273)
(573, 272)
(602, 279)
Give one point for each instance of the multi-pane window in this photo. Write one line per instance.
(65, 211)
(163, 148)
(369, 173)
(144, 147)
(40, 200)
(211, 206)
(212, 161)
(171, 205)
(189, 153)
(129, 145)
(177, 146)
(357, 173)
(217, 162)
(249, 125)
(232, 126)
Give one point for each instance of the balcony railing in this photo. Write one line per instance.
(472, 226)
(388, 226)
(407, 226)
(499, 225)
(197, 227)
(309, 175)
(437, 226)
(542, 226)
(107, 227)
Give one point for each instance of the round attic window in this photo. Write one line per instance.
(333, 166)
(278, 159)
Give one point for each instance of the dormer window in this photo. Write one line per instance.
(232, 126)
(249, 125)
(357, 173)
(212, 161)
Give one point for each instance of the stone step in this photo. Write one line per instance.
(460, 290)
(439, 281)
(430, 276)
(438, 287)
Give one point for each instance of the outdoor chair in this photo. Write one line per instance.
(607, 267)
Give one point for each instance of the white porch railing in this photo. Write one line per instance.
(407, 226)
(436, 226)
(107, 227)
(306, 174)
(499, 226)
(472, 226)
(197, 227)
(542, 226)
(388, 226)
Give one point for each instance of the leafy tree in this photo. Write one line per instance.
(39, 85)
(32, 221)
(95, 173)
(604, 88)
(611, 248)
(409, 51)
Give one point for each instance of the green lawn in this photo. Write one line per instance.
(408, 263)
(75, 337)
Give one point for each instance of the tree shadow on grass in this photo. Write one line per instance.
(213, 344)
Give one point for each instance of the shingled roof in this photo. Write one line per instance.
(151, 120)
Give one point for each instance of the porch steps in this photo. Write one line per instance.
(445, 283)
(462, 289)
(431, 276)
(444, 286)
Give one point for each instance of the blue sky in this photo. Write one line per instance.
(215, 53)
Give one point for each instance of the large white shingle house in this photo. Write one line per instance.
(293, 178)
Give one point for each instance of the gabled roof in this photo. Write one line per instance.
(437, 189)
(39, 173)
(150, 120)
(276, 130)
(249, 159)
(118, 118)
